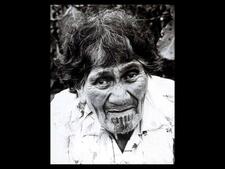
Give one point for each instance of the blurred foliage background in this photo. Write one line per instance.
(159, 18)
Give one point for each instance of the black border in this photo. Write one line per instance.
(25, 83)
(32, 122)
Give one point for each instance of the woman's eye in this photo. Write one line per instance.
(131, 75)
(103, 83)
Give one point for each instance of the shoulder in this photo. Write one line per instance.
(63, 98)
(162, 87)
(63, 107)
(161, 92)
(166, 85)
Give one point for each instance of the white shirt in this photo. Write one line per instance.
(82, 140)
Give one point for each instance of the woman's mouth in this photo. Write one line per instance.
(119, 110)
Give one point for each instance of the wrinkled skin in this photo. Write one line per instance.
(116, 94)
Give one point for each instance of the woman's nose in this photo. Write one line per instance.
(119, 96)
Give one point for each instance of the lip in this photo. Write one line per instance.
(118, 110)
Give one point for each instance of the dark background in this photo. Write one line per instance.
(159, 18)
(199, 85)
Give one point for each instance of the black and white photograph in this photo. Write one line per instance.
(112, 84)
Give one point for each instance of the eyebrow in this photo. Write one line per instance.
(103, 73)
(129, 66)
(100, 73)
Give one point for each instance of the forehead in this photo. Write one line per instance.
(117, 68)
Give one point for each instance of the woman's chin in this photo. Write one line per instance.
(121, 123)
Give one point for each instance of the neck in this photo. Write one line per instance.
(122, 139)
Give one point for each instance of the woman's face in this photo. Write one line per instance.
(116, 94)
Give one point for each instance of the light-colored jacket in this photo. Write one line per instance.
(77, 139)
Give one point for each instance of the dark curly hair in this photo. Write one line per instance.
(108, 38)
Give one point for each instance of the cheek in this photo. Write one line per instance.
(95, 97)
(138, 88)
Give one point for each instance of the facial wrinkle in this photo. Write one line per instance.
(136, 100)
(105, 103)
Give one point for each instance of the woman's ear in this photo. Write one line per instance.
(81, 95)
(82, 101)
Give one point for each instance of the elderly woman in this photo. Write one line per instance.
(120, 113)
